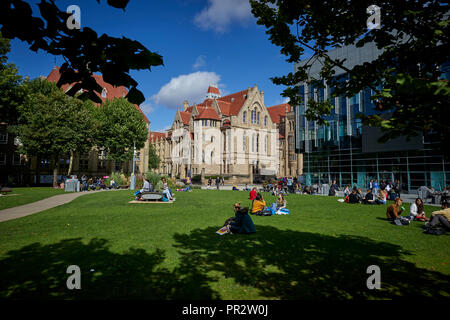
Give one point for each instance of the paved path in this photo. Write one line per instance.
(41, 205)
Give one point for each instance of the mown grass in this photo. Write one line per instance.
(21, 196)
(170, 251)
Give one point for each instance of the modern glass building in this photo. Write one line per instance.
(348, 152)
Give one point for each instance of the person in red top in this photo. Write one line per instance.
(253, 194)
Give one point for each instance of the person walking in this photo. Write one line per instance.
(218, 183)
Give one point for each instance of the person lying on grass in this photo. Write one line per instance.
(240, 223)
(416, 211)
(442, 216)
(395, 210)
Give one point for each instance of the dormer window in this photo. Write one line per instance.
(104, 93)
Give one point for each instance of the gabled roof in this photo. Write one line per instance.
(156, 136)
(112, 91)
(185, 116)
(207, 113)
(235, 101)
(278, 111)
(213, 89)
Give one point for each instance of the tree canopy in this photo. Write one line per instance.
(83, 50)
(12, 93)
(122, 126)
(407, 77)
(52, 124)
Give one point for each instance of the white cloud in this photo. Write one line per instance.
(147, 108)
(220, 14)
(199, 62)
(191, 87)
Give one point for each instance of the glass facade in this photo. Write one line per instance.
(335, 152)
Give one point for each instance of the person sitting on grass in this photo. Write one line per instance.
(166, 190)
(381, 197)
(395, 210)
(353, 197)
(241, 223)
(369, 198)
(442, 216)
(416, 211)
(235, 188)
(281, 203)
(259, 205)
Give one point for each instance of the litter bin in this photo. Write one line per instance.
(72, 185)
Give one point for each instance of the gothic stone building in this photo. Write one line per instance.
(234, 136)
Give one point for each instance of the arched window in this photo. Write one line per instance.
(257, 118)
(253, 143)
(265, 144)
(244, 117)
(265, 121)
(212, 138)
(257, 143)
(203, 156)
(212, 155)
(243, 142)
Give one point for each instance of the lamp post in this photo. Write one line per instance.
(133, 177)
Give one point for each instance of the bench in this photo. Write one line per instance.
(4, 191)
(151, 196)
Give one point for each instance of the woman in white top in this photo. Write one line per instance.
(381, 197)
(416, 211)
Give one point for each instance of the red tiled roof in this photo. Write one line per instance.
(207, 113)
(214, 90)
(156, 136)
(278, 111)
(235, 100)
(185, 116)
(112, 91)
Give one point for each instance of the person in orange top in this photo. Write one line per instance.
(395, 210)
(259, 204)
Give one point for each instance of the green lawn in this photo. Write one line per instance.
(21, 196)
(170, 251)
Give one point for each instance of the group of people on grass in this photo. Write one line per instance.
(243, 223)
(148, 187)
(417, 213)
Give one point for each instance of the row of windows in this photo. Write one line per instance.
(254, 117)
(16, 159)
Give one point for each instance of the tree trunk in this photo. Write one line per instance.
(55, 172)
(70, 163)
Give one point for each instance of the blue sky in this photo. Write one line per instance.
(201, 41)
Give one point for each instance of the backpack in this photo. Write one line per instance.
(435, 230)
(401, 221)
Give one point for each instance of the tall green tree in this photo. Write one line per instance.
(153, 159)
(84, 51)
(52, 124)
(122, 126)
(406, 77)
(11, 91)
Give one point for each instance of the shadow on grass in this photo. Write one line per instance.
(39, 272)
(279, 264)
(284, 264)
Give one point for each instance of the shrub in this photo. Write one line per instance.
(196, 178)
(119, 178)
(153, 178)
